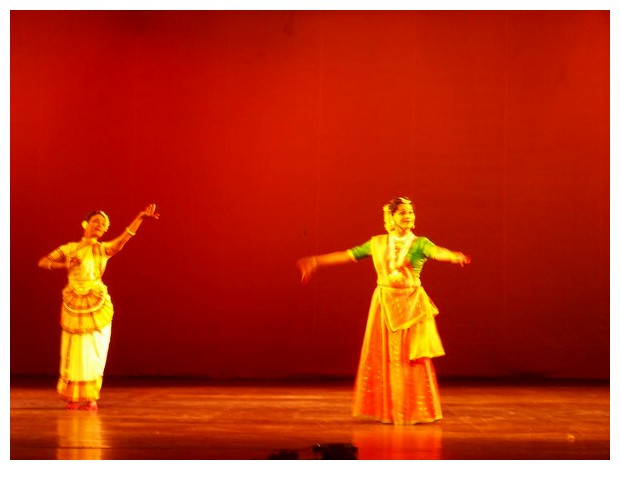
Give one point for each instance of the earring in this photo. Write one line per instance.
(84, 224)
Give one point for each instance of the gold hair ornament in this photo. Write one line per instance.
(388, 219)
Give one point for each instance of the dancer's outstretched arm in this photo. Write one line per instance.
(445, 255)
(309, 265)
(117, 244)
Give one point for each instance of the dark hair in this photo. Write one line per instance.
(93, 213)
(393, 205)
(98, 212)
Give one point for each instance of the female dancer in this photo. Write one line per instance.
(86, 314)
(396, 381)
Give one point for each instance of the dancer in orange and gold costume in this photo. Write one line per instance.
(86, 313)
(395, 380)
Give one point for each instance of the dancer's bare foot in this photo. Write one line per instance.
(90, 406)
(72, 406)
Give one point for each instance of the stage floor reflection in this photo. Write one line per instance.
(181, 419)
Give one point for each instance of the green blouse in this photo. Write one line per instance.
(421, 250)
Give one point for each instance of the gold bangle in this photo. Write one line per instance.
(130, 232)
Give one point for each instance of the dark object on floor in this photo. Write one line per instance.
(336, 451)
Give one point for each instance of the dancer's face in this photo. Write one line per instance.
(97, 225)
(404, 218)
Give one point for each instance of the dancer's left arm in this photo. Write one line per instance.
(445, 255)
(117, 244)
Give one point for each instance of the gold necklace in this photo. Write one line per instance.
(398, 249)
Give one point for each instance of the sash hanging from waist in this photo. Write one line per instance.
(404, 307)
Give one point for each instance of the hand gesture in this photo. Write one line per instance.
(462, 259)
(307, 266)
(150, 212)
(73, 262)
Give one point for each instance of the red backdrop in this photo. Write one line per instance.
(265, 136)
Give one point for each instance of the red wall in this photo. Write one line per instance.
(266, 136)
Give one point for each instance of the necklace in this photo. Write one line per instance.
(398, 248)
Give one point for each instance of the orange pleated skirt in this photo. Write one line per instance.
(393, 384)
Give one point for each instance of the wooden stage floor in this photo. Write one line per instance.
(180, 419)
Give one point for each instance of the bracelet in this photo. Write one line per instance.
(315, 264)
(130, 232)
(49, 265)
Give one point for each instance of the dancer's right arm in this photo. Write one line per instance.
(48, 264)
(309, 265)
